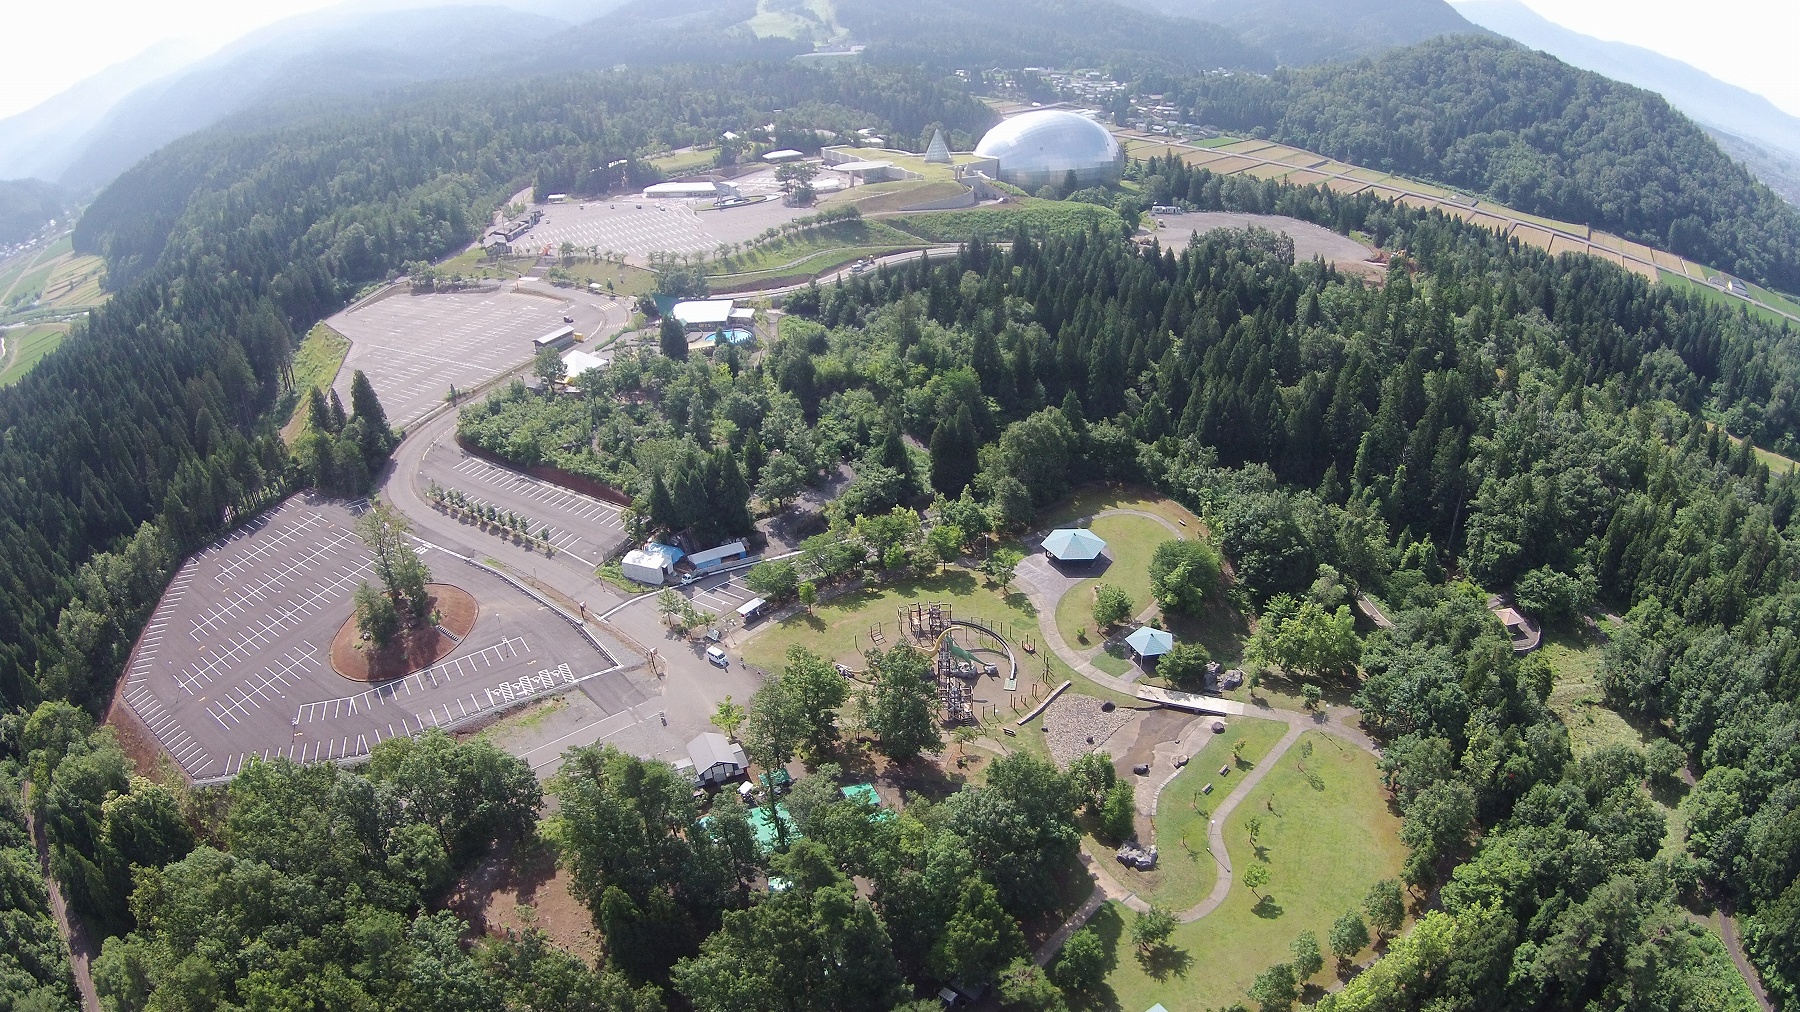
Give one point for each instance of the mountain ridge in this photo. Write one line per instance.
(1747, 120)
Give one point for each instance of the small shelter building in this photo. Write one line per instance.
(716, 758)
(1147, 642)
(1074, 544)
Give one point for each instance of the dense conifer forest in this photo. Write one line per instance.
(1527, 130)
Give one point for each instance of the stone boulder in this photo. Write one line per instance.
(1233, 679)
(1134, 855)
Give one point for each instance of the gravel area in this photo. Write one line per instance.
(1075, 725)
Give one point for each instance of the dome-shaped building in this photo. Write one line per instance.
(1038, 148)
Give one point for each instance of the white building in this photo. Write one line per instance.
(708, 190)
(713, 557)
(702, 314)
(652, 564)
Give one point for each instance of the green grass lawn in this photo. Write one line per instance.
(1130, 541)
(1091, 499)
(797, 249)
(1578, 699)
(811, 267)
(316, 363)
(29, 286)
(1185, 871)
(1711, 294)
(677, 162)
(839, 630)
(473, 263)
(1327, 835)
(998, 222)
(624, 279)
(26, 346)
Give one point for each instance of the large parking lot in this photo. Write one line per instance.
(636, 226)
(234, 664)
(415, 347)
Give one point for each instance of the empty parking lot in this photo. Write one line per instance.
(234, 664)
(636, 226)
(415, 347)
(581, 526)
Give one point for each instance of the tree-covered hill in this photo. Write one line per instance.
(1303, 32)
(1055, 33)
(1532, 132)
(25, 205)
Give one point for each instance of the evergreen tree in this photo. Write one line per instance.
(953, 447)
(673, 339)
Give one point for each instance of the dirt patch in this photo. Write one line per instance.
(413, 649)
(1159, 727)
(134, 737)
(515, 889)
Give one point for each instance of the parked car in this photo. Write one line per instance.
(717, 658)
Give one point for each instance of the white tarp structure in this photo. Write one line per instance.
(577, 362)
(703, 314)
(650, 564)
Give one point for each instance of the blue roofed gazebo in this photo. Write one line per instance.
(1074, 544)
(1147, 642)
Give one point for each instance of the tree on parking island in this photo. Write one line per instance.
(402, 572)
(376, 616)
(773, 579)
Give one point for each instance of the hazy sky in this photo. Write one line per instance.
(54, 44)
(1749, 43)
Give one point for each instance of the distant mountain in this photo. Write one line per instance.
(25, 205)
(1747, 125)
(1016, 33)
(1299, 33)
(42, 140)
(649, 32)
(334, 52)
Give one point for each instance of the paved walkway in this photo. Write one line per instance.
(1044, 585)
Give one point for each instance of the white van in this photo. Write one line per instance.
(717, 657)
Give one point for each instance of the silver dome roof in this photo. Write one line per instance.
(1038, 148)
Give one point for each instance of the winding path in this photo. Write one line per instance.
(1331, 720)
